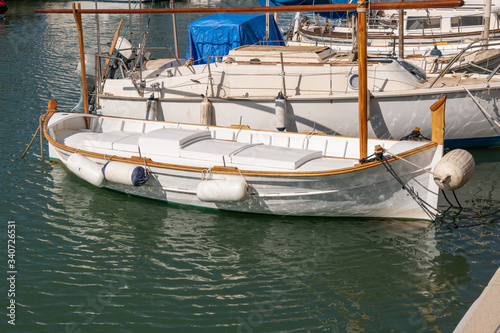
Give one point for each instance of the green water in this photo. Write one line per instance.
(90, 260)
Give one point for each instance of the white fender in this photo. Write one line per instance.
(454, 170)
(206, 110)
(125, 173)
(280, 112)
(215, 190)
(86, 169)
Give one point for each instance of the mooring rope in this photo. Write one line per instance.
(426, 207)
(41, 121)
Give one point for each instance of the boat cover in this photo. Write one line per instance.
(330, 15)
(217, 34)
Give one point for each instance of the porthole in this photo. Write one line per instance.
(353, 81)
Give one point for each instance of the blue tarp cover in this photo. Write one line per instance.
(330, 15)
(217, 34)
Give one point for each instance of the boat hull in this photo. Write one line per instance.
(360, 190)
(366, 194)
(393, 115)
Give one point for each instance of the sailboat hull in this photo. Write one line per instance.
(392, 114)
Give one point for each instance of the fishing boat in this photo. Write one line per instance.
(3, 9)
(244, 170)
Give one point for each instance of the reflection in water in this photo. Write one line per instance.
(232, 267)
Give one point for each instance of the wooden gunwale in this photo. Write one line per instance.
(308, 8)
(392, 35)
(222, 169)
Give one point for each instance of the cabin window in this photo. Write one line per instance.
(420, 23)
(353, 81)
(464, 21)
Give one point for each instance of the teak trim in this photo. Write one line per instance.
(272, 9)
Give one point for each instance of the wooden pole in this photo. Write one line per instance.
(280, 9)
(112, 48)
(78, 19)
(487, 17)
(174, 22)
(363, 76)
(401, 33)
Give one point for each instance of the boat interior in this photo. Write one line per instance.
(207, 146)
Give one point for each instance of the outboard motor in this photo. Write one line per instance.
(91, 80)
(125, 51)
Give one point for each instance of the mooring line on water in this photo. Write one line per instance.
(41, 120)
(31, 142)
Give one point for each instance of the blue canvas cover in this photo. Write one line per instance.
(217, 34)
(330, 15)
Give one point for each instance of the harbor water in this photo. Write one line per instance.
(90, 260)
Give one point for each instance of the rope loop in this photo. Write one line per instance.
(206, 174)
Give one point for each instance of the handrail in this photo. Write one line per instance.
(457, 56)
(272, 9)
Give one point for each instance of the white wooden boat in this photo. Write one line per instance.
(244, 170)
(450, 29)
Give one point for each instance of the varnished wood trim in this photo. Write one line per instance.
(272, 9)
(438, 120)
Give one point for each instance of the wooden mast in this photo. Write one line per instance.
(401, 32)
(487, 17)
(362, 78)
(78, 19)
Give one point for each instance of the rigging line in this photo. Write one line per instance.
(446, 198)
(458, 202)
(415, 165)
(117, 49)
(430, 25)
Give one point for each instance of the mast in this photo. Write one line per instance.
(487, 17)
(78, 19)
(363, 85)
(174, 23)
(401, 32)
